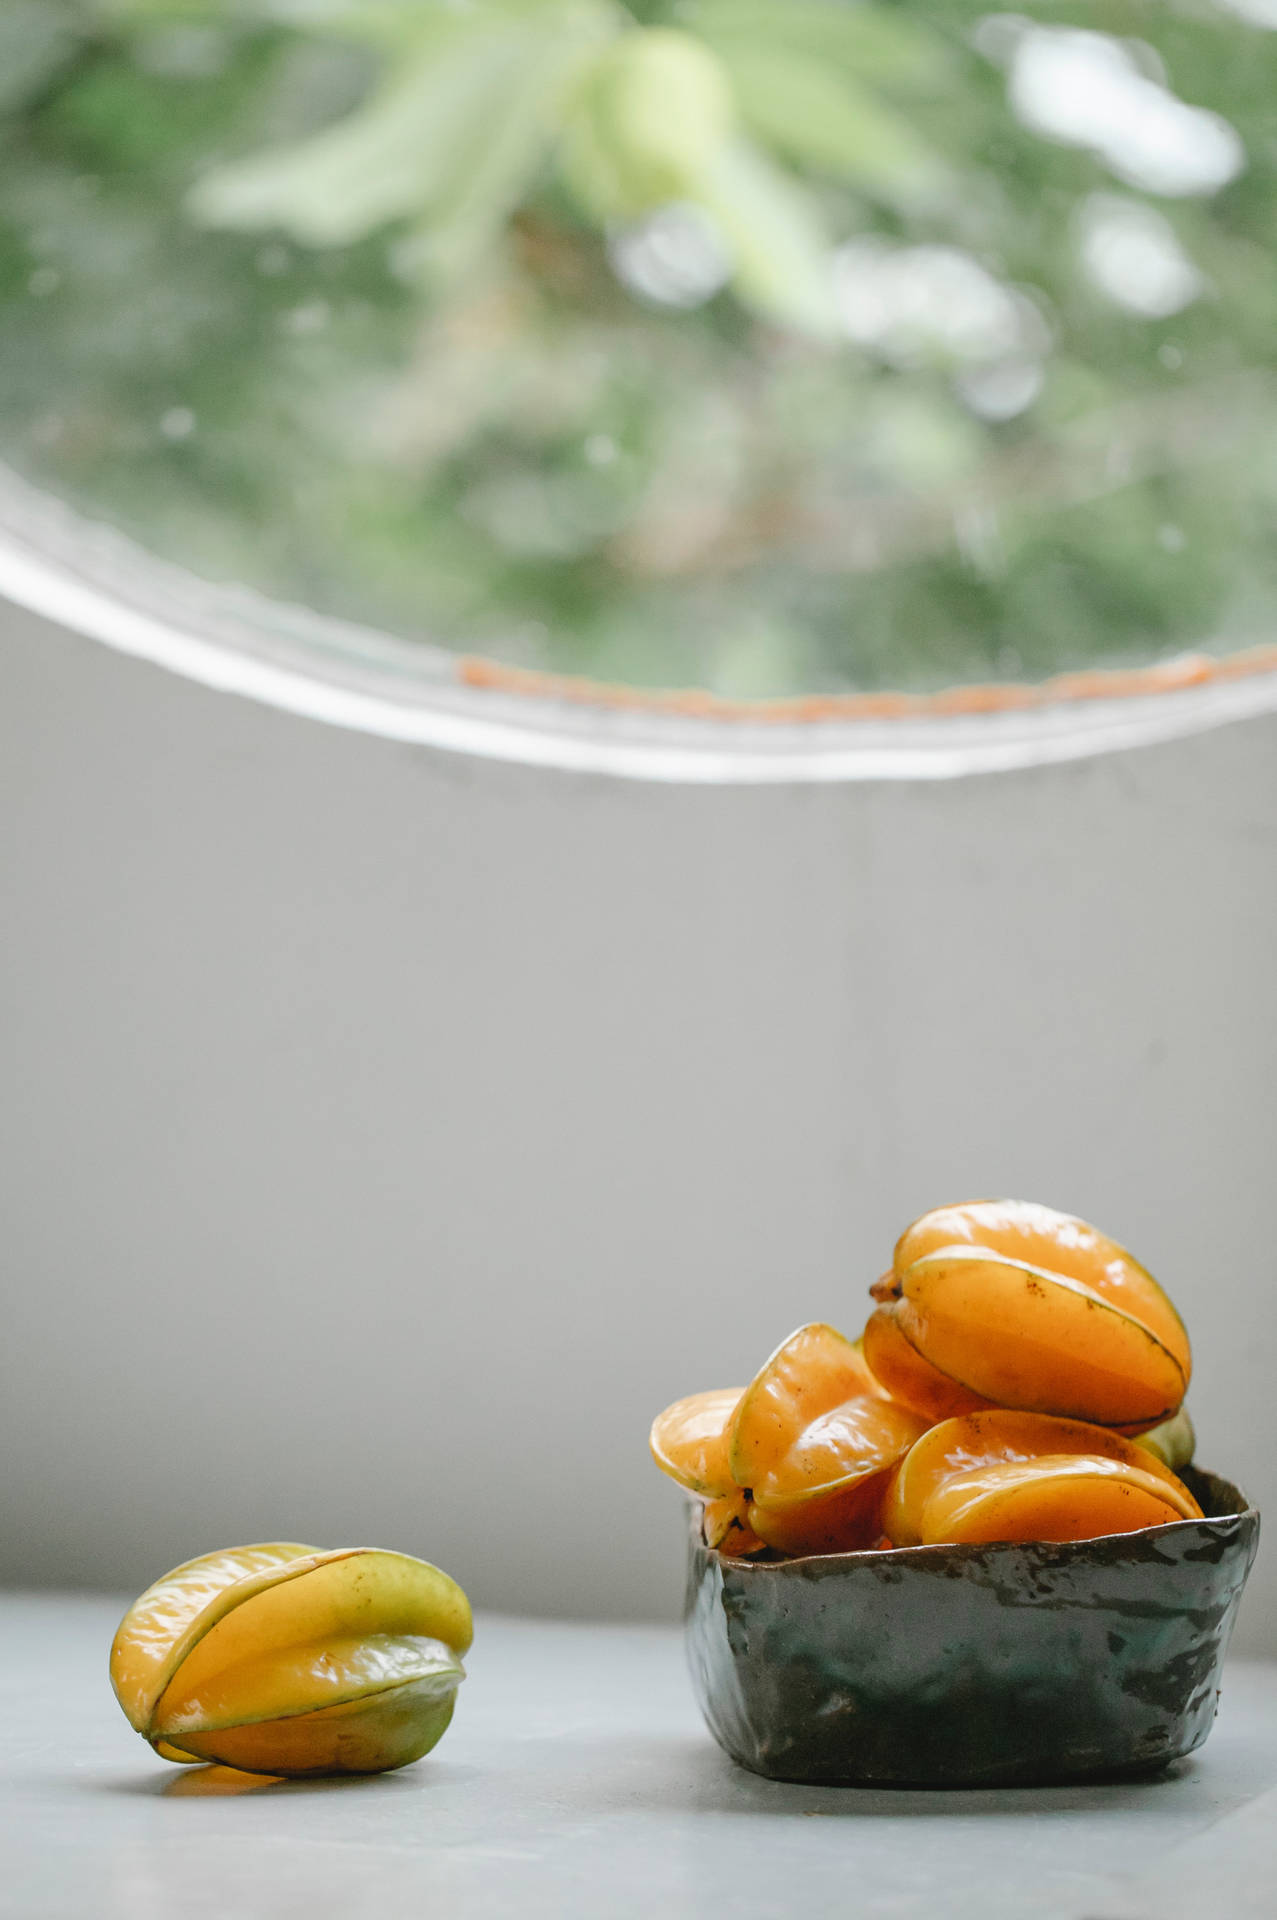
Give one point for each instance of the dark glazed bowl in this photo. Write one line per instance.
(972, 1666)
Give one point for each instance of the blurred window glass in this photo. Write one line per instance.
(769, 346)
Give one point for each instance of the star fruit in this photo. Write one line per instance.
(1009, 1475)
(284, 1659)
(814, 1440)
(799, 1459)
(689, 1441)
(1008, 1304)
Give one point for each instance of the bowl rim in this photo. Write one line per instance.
(93, 581)
(1245, 1518)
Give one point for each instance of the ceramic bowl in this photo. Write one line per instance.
(972, 1666)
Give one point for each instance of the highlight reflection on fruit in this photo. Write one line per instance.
(785, 1437)
(814, 1439)
(928, 1568)
(1020, 1306)
(284, 1659)
(689, 1441)
(1009, 1475)
(798, 1461)
(997, 1393)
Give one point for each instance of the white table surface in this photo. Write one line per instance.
(578, 1780)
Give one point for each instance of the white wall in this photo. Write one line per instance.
(388, 1135)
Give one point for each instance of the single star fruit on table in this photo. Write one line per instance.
(285, 1659)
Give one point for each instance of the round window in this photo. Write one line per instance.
(771, 347)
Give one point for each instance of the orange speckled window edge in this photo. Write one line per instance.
(1169, 676)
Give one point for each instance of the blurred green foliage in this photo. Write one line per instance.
(766, 345)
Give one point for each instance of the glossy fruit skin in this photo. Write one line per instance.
(1004, 1474)
(972, 1666)
(689, 1441)
(813, 1443)
(843, 1519)
(1057, 1499)
(904, 1373)
(354, 1737)
(284, 1660)
(800, 1459)
(1015, 1305)
(816, 1371)
(1024, 1230)
(850, 1453)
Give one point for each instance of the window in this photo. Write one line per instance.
(773, 347)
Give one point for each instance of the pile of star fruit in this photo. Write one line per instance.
(1021, 1379)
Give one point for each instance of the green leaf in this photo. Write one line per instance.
(877, 44)
(392, 24)
(397, 153)
(781, 255)
(503, 154)
(821, 118)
